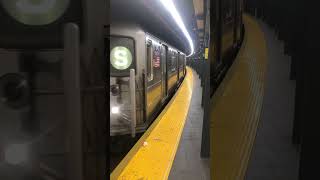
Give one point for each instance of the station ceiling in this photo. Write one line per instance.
(156, 20)
(192, 12)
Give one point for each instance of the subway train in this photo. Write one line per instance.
(52, 89)
(227, 32)
(145, 72)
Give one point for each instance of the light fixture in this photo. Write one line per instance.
(115, 110)
(169, 5)
(40, 12)
(16, 154)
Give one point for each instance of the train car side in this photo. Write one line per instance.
(159, 68)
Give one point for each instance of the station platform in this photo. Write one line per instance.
(252, 112)
(154, 153)
(188, 165)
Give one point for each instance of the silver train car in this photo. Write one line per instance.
(144, 73)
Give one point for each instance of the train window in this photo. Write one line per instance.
(183, 61)
(149, 61)
(180, 61)
(169, 60)
(227, 11)
(174, 63)
(35, 12)
(156, 63)
(177, 60)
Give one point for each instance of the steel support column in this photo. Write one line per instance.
(205, 141)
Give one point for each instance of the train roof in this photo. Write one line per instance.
(137, 31)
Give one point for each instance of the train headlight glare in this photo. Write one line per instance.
(16, 154)
(120, 58)
(115, 110)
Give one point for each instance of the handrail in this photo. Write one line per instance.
(133, 102)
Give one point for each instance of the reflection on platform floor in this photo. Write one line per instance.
(273, 156)
(236, 105)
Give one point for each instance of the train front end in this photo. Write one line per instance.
(126, 56)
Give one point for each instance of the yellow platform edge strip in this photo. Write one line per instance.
(236, 107)
(153, 155)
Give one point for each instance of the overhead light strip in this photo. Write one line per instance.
(169, 5)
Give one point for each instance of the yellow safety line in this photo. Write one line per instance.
(236, 107)
(153, 155)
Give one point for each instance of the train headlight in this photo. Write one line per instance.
(115, 90)
(115, 110)
(14, 90)
(35, 12)
(16, 154)
(120, 58)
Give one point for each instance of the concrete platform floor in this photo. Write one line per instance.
(188, 165)
(273, 155)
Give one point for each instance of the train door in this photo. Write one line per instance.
(214, 56)
(178, 65)
(175, 63)
(235, 21)
(238, 24)
(184, 65)
(164, 80)
(228, 31)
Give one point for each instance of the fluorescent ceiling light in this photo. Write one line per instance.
(169, 5)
